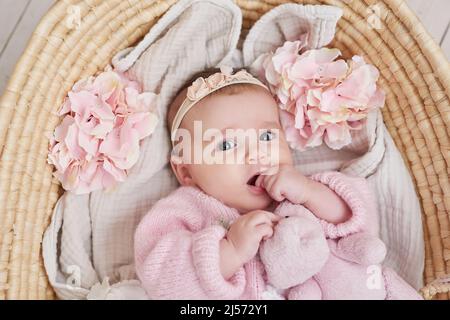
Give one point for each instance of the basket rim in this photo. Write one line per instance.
(418, 116)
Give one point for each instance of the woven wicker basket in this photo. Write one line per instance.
(414, 73)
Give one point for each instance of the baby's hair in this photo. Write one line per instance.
(228, 90)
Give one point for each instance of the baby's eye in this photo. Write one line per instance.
(267, 136)
(226, 145)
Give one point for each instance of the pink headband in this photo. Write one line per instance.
(201, 87)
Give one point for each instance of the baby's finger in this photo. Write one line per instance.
(276, 193)
(266, 176)
(273, 217)
(274, 190)
(259, 218)
(264, 230)
(269, 182)
(260, 181)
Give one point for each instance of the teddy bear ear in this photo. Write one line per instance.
(291, 22)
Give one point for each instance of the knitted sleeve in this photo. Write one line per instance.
(177, 259)
(356, 193)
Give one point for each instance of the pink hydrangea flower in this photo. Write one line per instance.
(321, 99)
(97, 141)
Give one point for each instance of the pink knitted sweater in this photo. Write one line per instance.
(177, 242)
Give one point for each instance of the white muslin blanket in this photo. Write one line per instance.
(88, 246)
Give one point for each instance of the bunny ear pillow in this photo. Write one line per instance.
(191, 36)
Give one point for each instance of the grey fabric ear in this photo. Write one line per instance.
(192, 36)
(288, 22)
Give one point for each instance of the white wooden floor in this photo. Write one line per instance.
(18, 18)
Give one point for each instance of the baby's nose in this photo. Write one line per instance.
(257, 155)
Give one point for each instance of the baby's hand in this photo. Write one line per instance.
(248, 230)
(285, 183)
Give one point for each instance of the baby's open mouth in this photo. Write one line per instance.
(252, 180)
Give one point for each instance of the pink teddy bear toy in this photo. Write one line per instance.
(301, 259)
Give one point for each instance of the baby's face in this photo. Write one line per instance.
(260, 145)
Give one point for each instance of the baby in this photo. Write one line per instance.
(202, 241)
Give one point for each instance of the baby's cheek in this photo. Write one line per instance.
(205, 176)
(227, 184)
(234, 180)
(221, 176)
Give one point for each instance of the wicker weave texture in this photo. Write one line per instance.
(413, 72)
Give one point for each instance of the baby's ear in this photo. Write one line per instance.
(181, 171)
